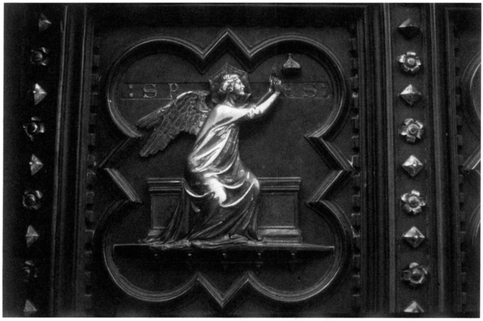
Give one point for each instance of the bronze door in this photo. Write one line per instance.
(254, 160)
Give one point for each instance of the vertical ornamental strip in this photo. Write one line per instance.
(413, 250)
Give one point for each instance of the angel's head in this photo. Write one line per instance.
(232, 84)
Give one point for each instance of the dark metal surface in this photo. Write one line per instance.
(368, 162)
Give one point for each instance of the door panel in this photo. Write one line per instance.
(367, 162)
(286, 145)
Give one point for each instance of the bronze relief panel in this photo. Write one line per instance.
(259, 160)
(226, 167)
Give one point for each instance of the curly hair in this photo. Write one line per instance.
(228, 82)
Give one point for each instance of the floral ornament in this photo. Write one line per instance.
(34, 128)
(30, 271)
(410, 62)
(31, 199)
(413, 202)
(416, 274)
(412, 130)
(40, 56)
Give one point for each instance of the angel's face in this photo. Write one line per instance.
(238, 87)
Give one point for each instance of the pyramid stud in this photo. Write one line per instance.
(32, 236)
(415, 275)
(413, 166)
(29, 309)
(410, 95)
(44, 23)
(414, 237)
(413, 202)
(409, 29)
(414, 307)
(35, 165)
(410, 63)
(291, 66)
(412, 130)
(39, 94)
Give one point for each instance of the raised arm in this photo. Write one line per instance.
(264, 104)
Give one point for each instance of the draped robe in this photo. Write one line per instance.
(223, 193)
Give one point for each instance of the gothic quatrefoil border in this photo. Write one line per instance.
(341, 168)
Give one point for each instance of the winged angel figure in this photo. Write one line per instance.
(223, 193)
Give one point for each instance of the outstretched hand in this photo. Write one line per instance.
(275, 84)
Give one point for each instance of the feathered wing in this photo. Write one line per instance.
(187, 112)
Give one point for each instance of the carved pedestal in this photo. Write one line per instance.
(278, 209)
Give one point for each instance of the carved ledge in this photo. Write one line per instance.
(254, 254)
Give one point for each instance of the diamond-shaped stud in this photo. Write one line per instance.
(39, 94)
(44, 23)
(32, 236)
(410, 95)
(409, 29)
(414, 307)
(35, 165)
(29, 309)
(412, 166)
(414, 237)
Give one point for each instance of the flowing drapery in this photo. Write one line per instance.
(222, 192)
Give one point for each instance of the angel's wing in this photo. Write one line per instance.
(187, 112)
